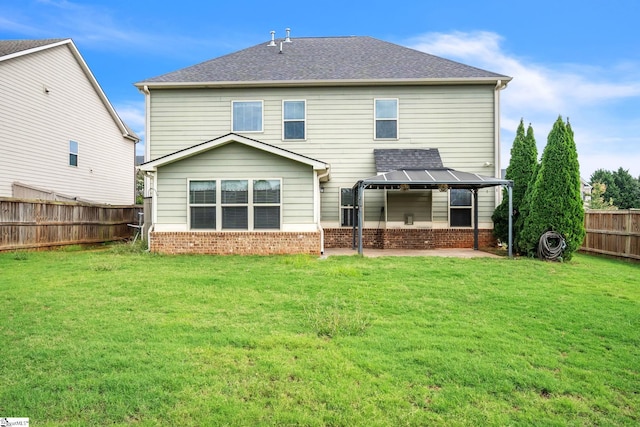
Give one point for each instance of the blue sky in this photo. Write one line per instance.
(578, 59)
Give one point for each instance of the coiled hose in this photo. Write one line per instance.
(551, 246)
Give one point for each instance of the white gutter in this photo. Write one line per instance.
(336, 82)
(147, 121)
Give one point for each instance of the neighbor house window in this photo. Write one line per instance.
(346, 207)
(294, 118)
(73, 153)
(247, 116)
(386, 115)
(460, 207)
(235, 204)
(202, 204)
(266, 204)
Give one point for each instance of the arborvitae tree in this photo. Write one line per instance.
(519, 245)
(555, 201)
(524, 157)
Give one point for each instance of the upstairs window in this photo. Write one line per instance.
(73, 153)
(294, 119)
(247, 116)
(386, 115)
(460, 207)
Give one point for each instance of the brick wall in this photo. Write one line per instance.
(239, 243)
(405, 238)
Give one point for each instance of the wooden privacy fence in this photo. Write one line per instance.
(614, 233)
(28, 224)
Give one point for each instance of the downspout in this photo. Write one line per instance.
(496, 137)
(154, 207)
(147, 121)
(147, 156)
(318, 206)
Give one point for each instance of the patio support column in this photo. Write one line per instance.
(354, 202)
(475, 218)
(360, 215)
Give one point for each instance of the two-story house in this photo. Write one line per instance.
(272, 149)
(60, 137)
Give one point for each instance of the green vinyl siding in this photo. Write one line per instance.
(236, 161)
(458, 120)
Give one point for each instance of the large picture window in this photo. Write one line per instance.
(386, 115)
(294, 118)
(202, 204)
(247, 116)
(460, 207)
(241, 204)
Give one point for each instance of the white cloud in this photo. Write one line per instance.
(603, 104)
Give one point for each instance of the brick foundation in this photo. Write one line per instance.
(409, 238)
(235, 243)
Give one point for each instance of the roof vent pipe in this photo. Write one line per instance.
(273, 39)
(288, 39)
(280, 47)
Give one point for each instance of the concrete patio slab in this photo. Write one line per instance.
(453, 253)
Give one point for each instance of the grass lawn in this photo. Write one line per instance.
(112, 337)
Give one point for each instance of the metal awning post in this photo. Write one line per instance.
(360, 215)
(354, 203)
(474, 191)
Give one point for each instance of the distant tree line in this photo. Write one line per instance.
(614, 189)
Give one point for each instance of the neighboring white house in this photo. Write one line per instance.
(265, 150)
(60, 138)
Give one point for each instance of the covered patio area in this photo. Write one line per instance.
(441, 179)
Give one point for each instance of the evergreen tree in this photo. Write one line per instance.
(622, 188)
(629, 190)
(555, 202)
(524, 157)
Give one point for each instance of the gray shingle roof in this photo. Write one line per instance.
(325, 59)
(406, 159)
(7, 47)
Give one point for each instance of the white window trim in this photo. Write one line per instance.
(261, 112)
(375, 119)
(250, 205)
(470, 207)
(304, 119)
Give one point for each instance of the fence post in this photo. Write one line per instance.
(627, 240)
